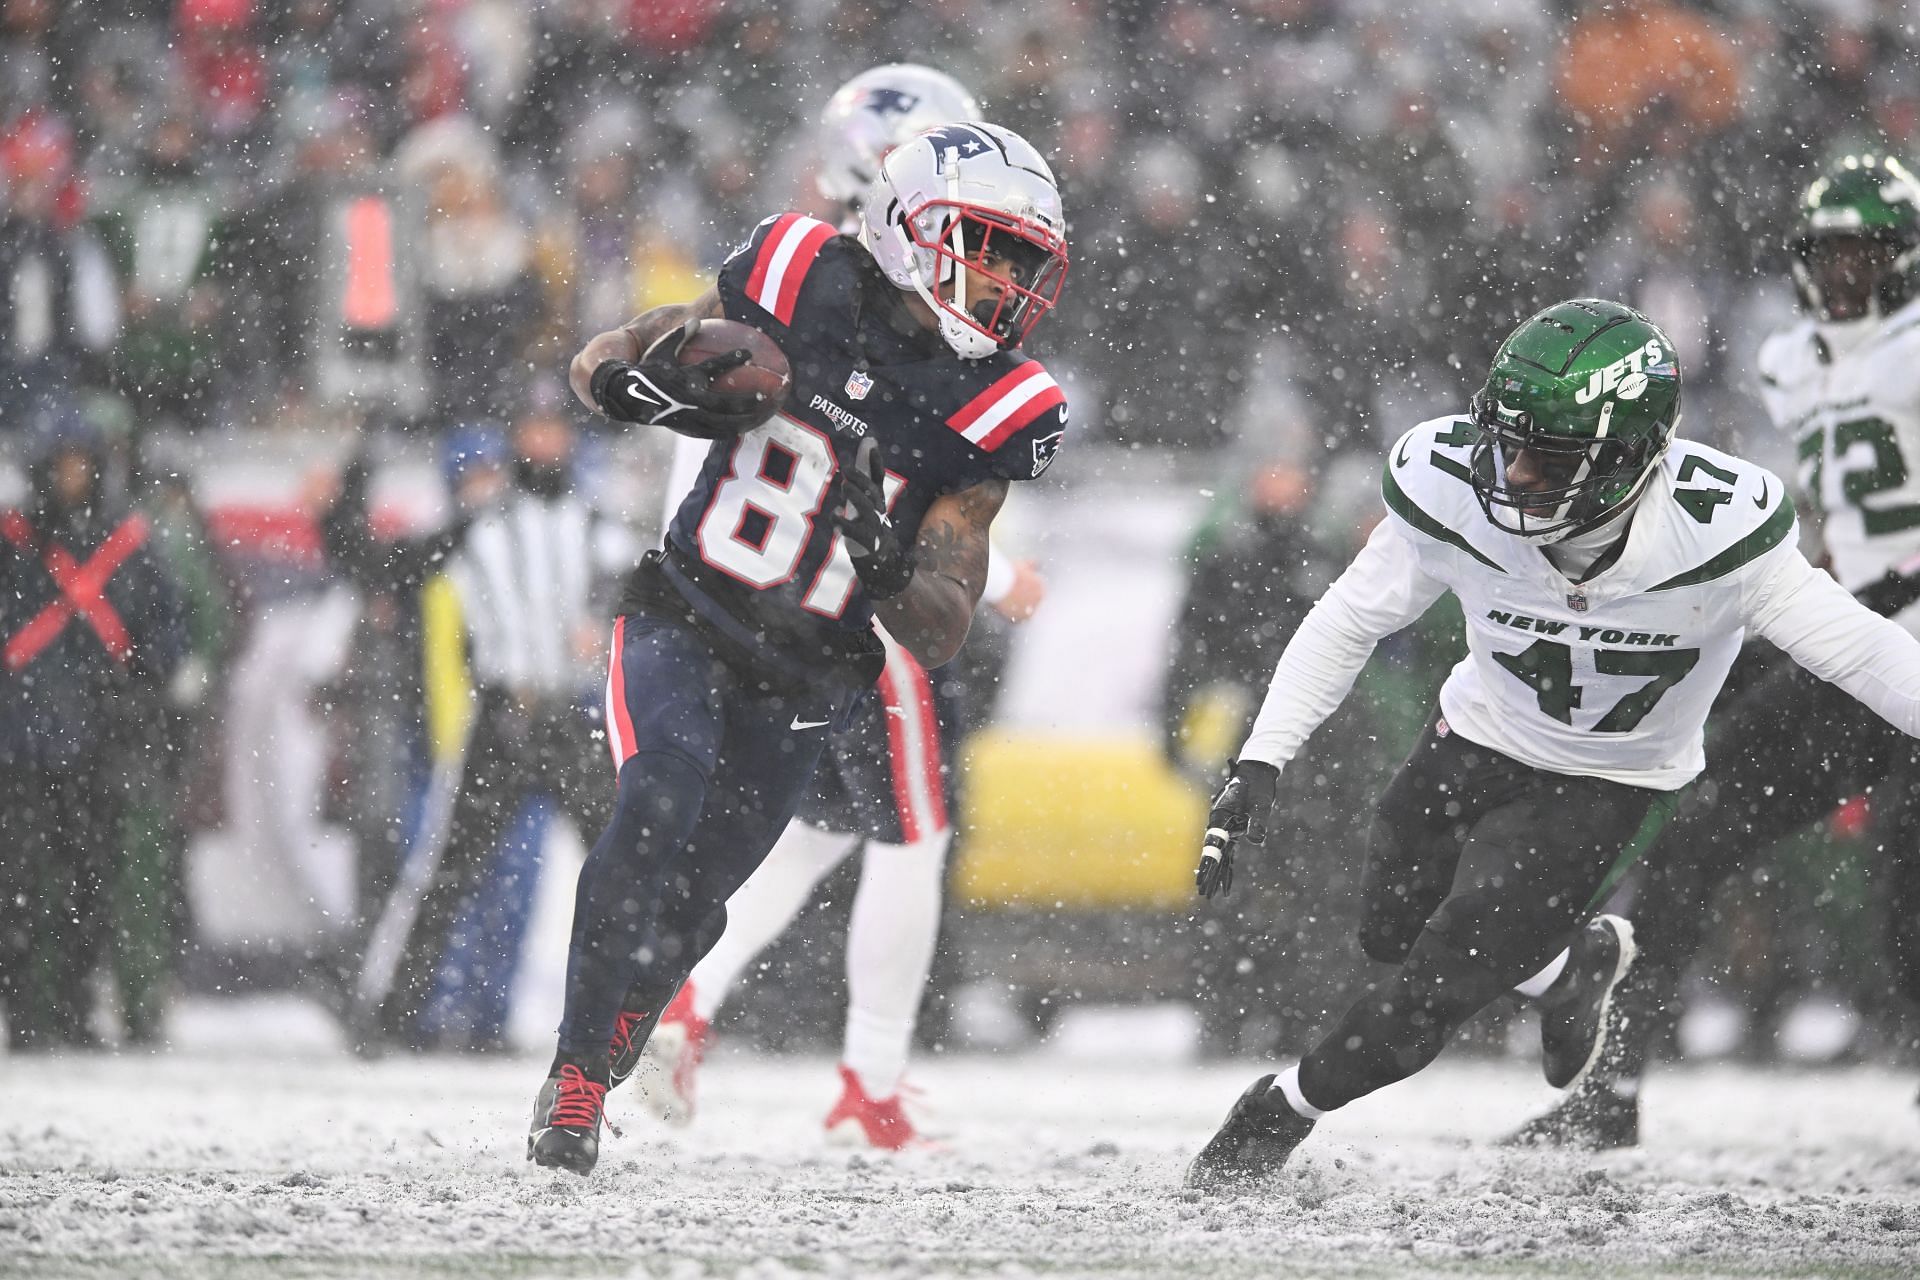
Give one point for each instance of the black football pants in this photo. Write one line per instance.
(1788, 750)
(1480, 869)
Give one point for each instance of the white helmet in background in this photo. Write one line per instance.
(875, 112)
(965, 193)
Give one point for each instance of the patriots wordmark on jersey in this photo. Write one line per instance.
(1848, 392)
(752, 528)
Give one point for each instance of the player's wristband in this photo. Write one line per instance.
(616, 407)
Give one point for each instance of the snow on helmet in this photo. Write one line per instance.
(965, 193)
(875, 112)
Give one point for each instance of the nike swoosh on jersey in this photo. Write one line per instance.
(798, 723)
(1761, 501)
(1402, 459)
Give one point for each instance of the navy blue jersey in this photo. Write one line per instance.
(756, 518)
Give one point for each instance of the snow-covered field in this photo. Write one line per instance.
(234, 1164)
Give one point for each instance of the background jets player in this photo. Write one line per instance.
(750, 632)
(885, 781)
(1607, 573)
(1845, 380)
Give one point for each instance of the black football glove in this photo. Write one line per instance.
(1895, 590)
(883, 566)
(1240, 813)
(660, 391)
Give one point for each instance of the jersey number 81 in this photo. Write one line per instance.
(761, 519)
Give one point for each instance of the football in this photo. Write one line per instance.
(766, 372)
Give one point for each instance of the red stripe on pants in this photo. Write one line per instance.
(913, 745)
(619, 719)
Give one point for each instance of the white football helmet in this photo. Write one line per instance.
(875, 112)
(965, 193)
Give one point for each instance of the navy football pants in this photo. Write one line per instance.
(710, 771)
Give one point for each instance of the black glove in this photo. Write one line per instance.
(1894, 591)
(883, 566)
(1239, 812)
(661, 391)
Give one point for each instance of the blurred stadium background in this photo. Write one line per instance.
(251, 240)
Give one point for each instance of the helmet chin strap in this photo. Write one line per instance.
(1612, 513)
(966, 341)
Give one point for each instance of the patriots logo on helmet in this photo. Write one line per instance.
(891, 102)
(967, 141)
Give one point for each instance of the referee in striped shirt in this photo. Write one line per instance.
(531, 575)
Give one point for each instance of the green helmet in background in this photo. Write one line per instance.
(1592, 389)
(1855, 249)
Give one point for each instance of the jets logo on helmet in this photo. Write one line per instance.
(1590, 391)
(875, 112)
(963, 204)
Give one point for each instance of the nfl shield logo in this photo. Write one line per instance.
(1577, 601)
(859, 382)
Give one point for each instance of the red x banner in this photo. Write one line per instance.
(82, 591)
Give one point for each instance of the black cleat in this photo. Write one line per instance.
(1574, 1012)
(566, 1121)
(1259, 1134)
(1595, 1117)
(630, 1032)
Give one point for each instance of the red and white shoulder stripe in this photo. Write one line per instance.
(994, 416)
(780, 265)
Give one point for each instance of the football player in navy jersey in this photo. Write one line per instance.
(867, 494)
(883, 785)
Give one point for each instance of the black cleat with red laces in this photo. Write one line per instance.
(566, 1121)
(630, 1032)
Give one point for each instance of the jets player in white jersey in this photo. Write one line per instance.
(1844, 381)
(888, 786)
(1608, 572)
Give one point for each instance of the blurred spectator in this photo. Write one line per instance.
(171, 726)
(1374, 330)
(1256, 570)
(477, 286)
(1656, 259)
(1630, 71)
(59, 302)
(87, 617)
(324, 274)
(1173, 251)
(160, 231)
(225, 66)
(41, 42)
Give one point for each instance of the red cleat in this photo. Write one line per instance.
(667, 1076)
(880, 1123)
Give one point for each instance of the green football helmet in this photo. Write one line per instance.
(1856, 247)
(1590, 390)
